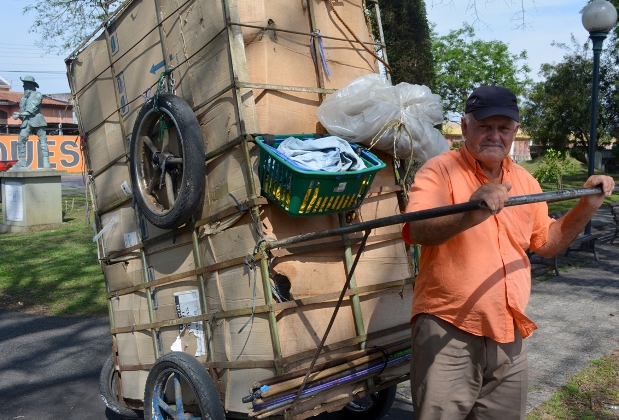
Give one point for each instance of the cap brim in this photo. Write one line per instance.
(480, 114)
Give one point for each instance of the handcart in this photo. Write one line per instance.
(238, 285)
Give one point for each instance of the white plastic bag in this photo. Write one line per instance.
(396, 119)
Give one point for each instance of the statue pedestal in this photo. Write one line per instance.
(30, 199)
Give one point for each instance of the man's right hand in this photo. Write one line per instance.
(438, 230)
(494, 195)
(15, 115)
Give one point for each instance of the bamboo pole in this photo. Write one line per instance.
(355, 301)
(294, 383)
(326, 365)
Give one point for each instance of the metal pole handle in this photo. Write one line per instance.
(549, 197)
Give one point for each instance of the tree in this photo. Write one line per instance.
(557, 112)
(554, 165)
(464, 63)
(407, 37)
(63, 24)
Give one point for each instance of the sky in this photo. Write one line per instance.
(546, 21)
(20, 56)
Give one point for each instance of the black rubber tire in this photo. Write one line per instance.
(168, 204)
(188, 370)
(109, 395)
(372, 407)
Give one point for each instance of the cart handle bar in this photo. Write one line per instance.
(549, 197)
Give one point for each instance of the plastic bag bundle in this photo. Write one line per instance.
(397, 119)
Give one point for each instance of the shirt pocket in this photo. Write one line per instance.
(518, 222)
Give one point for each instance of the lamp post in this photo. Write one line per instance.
(598, 18)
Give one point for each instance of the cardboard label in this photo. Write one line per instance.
(188, 304)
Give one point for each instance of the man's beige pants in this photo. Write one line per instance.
(458, 375)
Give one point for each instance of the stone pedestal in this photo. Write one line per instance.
(30, 199)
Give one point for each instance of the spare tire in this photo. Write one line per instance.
(167, 161)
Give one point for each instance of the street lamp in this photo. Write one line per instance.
(598, 18)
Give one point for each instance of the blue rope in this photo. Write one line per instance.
(316, 34)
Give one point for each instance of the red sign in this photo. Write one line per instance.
(64, 152)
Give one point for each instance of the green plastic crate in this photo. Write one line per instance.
(300, 192)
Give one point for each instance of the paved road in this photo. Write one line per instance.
(50, 366)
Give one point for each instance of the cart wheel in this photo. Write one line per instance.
(179, 387)
(371, 407)
(167, 161)
(107, 389)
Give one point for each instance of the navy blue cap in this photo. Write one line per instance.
(487, 101)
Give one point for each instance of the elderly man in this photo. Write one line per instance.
(469, 359)
(32, 122)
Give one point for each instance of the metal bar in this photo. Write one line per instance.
(320, 76)
(549, 197)
(597, 38)
(382, 38)
(304, 33)
(250, 85)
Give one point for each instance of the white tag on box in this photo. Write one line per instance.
(131, 239)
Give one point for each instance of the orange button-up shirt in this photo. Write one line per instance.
(480, 279)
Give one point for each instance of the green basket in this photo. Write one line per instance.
(300, 192)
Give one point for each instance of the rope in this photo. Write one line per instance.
(337, 307)
(397, 125)
(387, 66)
(164, 74)
(251, 266)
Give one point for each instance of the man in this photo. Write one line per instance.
(32, 121)
(468, 358)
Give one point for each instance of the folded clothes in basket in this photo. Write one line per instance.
(330, 154)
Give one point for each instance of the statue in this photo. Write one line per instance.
(32, 121)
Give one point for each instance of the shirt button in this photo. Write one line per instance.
(509, 277)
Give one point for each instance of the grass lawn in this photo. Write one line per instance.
(54, 272)
(591, 395)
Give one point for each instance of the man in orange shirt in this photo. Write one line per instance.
(468, 358)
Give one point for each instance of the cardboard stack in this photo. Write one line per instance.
(254, 75)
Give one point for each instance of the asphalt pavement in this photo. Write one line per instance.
(50, 365)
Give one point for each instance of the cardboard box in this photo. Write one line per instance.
(119, 230)
(124, 274)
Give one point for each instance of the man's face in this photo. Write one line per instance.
(28, 86)
(489, 140)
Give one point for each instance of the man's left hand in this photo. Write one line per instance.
(607, 184)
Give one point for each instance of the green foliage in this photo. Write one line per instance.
(464, 63)
(63, 24)
(407, 37)
(557, 112)
(455, 145)
(554, 165)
